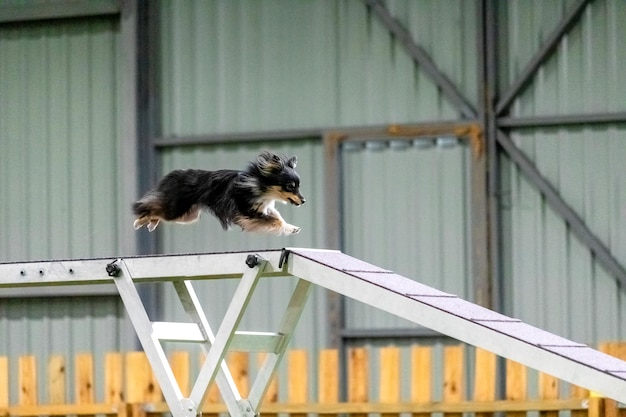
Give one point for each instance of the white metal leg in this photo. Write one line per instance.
(223, 338)
(287, 327)
(179, 406)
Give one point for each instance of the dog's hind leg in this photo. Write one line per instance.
(191, 216)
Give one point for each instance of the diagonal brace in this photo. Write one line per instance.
(546, 50)
(193, 308)
(224, 337)
(422, 59)
(286, 328)
(553, 198)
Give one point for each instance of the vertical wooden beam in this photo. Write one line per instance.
(453, 385)
(27, 380)
(239, 364)
(421, 376)
(328, 378)
(181, 368)
(389, 382)
(485, 378)
(113, 378)
(358, 377)
(56, 380)
(298, 387)
(84, 380)
(516, 384)
(4, 382)
(548, 390)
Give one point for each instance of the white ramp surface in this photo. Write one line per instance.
(460, 319)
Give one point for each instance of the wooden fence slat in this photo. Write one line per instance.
(328, 378)
(84, 380)
(213, 395)
(358, 377)
(141, 385)
(298, 388)
(27, 380)
(271, 394)
(180, 362)
(421, 376)
(548, 390)
(113, 378)
(485, 378)
(453, 375)
(239, 364)
(516, 381)
(4, 381)
(389, 382)
(56, 380)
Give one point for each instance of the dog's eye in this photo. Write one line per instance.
(290, 187)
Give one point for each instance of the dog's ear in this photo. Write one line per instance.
(292, 162)
(270, 163)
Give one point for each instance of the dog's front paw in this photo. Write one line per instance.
(290, 229)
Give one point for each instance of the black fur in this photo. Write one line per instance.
(245, 198)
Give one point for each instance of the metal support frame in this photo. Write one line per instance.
(379, 288)
(215, 346)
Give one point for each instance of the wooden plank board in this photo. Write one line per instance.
(298, 376)
(4, 382)
(56, 380)
(421, 376)
(113, 378)
(516, 384)
(328, 378)
(484, 378)
(180, 362)
(358, 377)
(27, 380)
(84, 379)
(453, 374)
(389, 381)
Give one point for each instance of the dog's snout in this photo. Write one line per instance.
(303, 200)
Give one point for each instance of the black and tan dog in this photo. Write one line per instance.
(245, 198)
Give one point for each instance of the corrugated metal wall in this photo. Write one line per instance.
(61, 180)
(254, 66)
(405, 208)
(551, 279)
(585, 75)
(60, 171)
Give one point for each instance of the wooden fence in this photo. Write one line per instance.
(128, 387)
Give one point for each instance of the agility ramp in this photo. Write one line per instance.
(380, 288)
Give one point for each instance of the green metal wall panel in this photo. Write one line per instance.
(405, 209)
(585, 75)
(553, 280)
(61, 181)
(260, 66)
